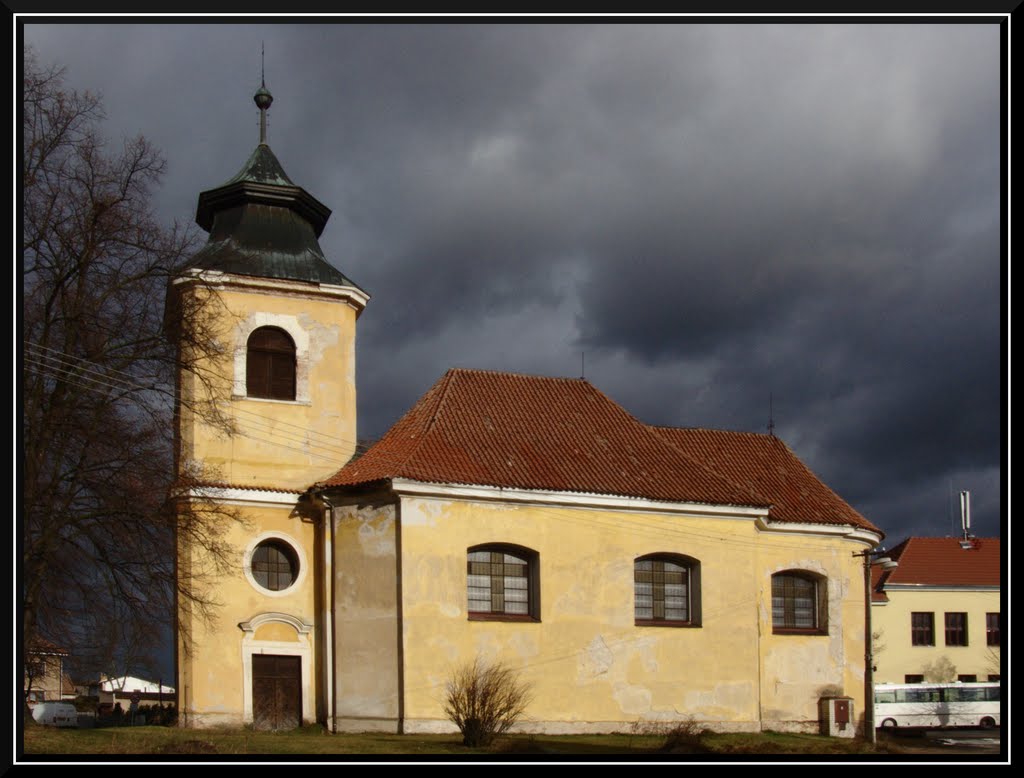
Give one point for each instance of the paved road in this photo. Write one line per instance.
(937, 741)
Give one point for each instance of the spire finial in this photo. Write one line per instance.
(263, 99)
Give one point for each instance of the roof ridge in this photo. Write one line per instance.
(714, 429)
(513, 374)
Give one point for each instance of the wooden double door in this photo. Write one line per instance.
(276, 691)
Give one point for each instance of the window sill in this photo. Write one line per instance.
(298, 401)
(503, 617)
(796, 631)
(661, 623)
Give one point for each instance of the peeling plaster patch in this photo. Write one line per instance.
(421, 513)
(632, 699)
(809, 663)
(701, 700)
(595, 660)
(645, 652)
(451, 611)
(726, 700)
(321, 336)
(376, 537)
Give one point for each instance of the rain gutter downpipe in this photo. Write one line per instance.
(328, 552)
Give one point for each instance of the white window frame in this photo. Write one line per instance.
(299, 336)
(295, 546)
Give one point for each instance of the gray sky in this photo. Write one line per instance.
(714, 214)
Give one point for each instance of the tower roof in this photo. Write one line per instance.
(262, 224)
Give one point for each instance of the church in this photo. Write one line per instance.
(628, 573)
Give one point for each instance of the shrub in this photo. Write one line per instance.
(686, 737)
(484, 699)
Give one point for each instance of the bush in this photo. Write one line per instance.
(686, 737)
(484, 700)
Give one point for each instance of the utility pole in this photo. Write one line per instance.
(869, 657)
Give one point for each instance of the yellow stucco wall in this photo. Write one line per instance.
(212, 669)
(286, 445)
(590, 666)
(399, 584)
(899, 657)
(276, 445)
(366, 616)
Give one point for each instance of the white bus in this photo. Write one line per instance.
(937, 705)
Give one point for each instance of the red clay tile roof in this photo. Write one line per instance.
(942, 562)
(562, 434)
(765, 465)
(243, 487)
(530, 432)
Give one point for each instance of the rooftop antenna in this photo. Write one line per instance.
(263, 99)
(965, 519)
(583, 365)
(771, 416)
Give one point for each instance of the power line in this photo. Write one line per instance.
(593, 518)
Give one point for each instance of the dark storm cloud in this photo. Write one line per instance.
(714, 214)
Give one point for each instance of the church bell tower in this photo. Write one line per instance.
(276, 363)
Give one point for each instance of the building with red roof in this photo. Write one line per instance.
(535, 520)
(626, 572)
(938, 615)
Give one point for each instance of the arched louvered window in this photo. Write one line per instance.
(503, 583)
(270, 364)
(666, 591)
(799, 603)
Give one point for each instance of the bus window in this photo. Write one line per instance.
(918, 695)
(965, 695)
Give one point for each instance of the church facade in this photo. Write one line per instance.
(626, 572)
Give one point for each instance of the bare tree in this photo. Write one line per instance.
(101, 510)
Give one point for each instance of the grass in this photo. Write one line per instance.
(175, 743)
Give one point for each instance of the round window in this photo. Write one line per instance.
(275, 565)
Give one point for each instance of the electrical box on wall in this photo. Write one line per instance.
(836, 716)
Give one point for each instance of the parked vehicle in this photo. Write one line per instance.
(56, 714)
(937, 705)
